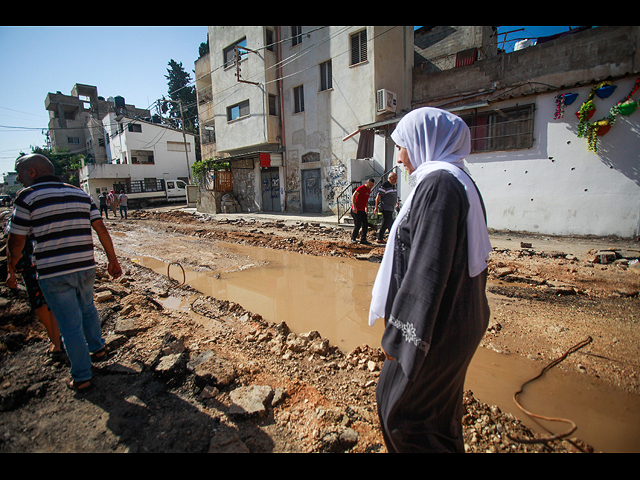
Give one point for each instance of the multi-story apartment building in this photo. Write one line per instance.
(119, 143)
(286, 105)
(75, 121)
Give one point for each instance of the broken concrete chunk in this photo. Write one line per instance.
(215, 371)
(251, 400)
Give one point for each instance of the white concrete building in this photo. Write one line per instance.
(138, 150)
(557, 186)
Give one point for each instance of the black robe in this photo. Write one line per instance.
(435, 317)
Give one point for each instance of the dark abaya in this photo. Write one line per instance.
(435, 317)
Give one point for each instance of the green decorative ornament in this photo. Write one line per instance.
(627, 108)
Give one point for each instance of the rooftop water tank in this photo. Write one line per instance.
(522, 44)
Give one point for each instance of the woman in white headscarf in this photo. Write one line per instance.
(430, 288)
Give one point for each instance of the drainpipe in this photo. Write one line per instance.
(284, 150)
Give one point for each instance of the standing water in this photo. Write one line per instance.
(332, 296)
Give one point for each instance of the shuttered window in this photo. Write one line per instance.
(296, 36)
(298, 94)
(359, 47)
(223, 181)
(326, 82)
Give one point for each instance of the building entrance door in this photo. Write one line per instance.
(270, 190)
(311, 191)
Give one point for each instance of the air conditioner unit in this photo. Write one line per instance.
(385, 101)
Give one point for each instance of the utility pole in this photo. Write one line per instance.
(238, 77)
(184, 137)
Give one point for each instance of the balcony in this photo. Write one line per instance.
(105, 170)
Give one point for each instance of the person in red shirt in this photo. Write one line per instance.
(359, 201)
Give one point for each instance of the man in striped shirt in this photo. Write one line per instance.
(386, 202)
(61, 217)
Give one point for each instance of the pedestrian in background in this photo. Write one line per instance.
(387, 203)
(359, 201)
(103, 205)
(112, 200)
(122, 201)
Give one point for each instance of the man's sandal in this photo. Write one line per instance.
(79, 387)
(100, 356)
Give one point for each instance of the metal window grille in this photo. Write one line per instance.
(223, 181)
(298, 94)
(359, 47)
(501, 129)
(326, 77)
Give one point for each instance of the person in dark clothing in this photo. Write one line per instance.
(359, 201)
(430, 288)
(103, 205)
(386, 203)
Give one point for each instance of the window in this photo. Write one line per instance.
(73, 140)
(298, 94)
(296, 36)
(359, 47)
(229, 53)
(208, 134)
(178, 146)
(142, 157)
(135, 127)
(501, 129)
(238, 111)
(326, 80)
(269, 39)
(273, 105)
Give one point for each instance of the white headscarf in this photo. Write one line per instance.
(435, 140)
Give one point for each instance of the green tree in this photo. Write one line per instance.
(181, 89)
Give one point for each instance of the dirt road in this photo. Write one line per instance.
(180, 378)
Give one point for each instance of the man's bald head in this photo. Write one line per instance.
(33, 166)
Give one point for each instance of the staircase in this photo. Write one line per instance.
(344, 202)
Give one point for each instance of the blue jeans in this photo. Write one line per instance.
(123, 209)
(70, 298)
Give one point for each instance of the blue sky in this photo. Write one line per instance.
(528, 32)
(128, 61)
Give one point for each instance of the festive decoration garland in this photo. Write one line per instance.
(626, 106)
(588, 109)
(592, 130)
(562, 100)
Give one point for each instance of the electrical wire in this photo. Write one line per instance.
(572, 424)
(280, 64)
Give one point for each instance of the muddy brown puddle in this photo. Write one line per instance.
(332, 295)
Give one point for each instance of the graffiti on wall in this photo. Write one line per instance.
(335, 182)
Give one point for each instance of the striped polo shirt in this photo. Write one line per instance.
(59, 216)
(389, 195)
